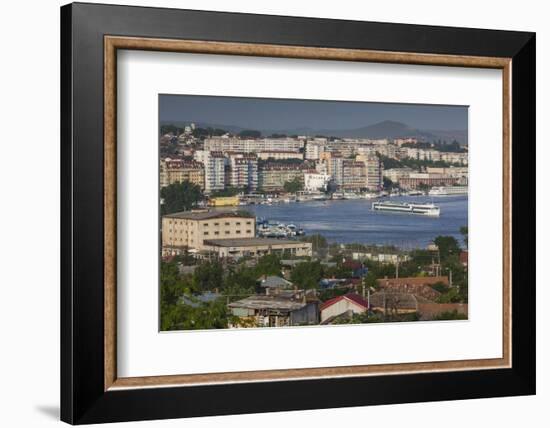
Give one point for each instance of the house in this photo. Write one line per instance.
(395, 303)
(273, 284)
(420, 285)
(341, 304)
(331, 282)
(287, 308)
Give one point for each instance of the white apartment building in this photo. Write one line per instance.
(336, 169)
(374, 171)
(435, 155)
(453, 171)
(314, 181)
(314, 149)
(234, 144)
(243, 171)
(400, 141)
(451, 157)
(280, 155)
(214, 169)
(394, 174)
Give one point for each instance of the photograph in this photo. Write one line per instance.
(292, 212)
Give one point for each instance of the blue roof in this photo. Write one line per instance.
(197, 299)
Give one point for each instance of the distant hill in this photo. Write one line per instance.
(385, 129)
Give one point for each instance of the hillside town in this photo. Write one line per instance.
(266, 164)
(223, 267)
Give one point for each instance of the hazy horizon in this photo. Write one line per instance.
(286, 114)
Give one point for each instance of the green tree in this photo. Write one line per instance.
(293, 186)
(451, 296)
(228, 191)
(459, 275)
(270, 264)
(196, 316)
(172, 287)
(180, 197)
(239, 283)
(448, 246)
(307, 274)
(439, 286)
(450, 315)
(208, 276)
(464, 233)
(208, 132)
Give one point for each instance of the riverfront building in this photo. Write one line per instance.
(354, 175)
(243, 171)
(273, 177)
(214, 169)
(395, 174)
(226, 234)
(189, 229)
(177, 170)
(315, 181)
(416, 180)
(373, 171)
(256, 247)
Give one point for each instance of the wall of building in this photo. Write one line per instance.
(177, 232)
(428, 310)
(308, 315)
(340, 307)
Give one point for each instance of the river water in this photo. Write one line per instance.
(347, 221)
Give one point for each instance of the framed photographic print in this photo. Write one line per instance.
(266, 213)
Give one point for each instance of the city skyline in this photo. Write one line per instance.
(287, 114)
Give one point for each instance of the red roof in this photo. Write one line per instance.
(355, 298)
(352, 264)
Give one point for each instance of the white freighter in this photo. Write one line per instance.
(426, 209)
(448, 190)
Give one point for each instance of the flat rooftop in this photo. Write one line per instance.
(250, 242)
(206, 215)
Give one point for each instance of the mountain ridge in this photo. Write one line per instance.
(384, 129)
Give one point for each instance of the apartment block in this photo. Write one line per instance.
(243, 171)
(234, 144)
(214, 169)
(353, 175)
(176, 171)
(273, 177)
(189, 229)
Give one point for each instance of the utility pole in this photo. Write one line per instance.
(397, 268)
(363, 279)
